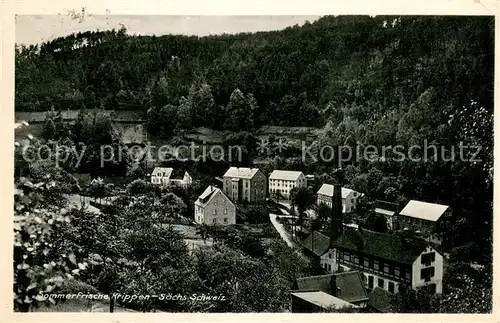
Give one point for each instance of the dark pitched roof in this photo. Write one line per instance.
(321, 282)
(316, 242)
(177, 174)
(385, 246)
(349, 285)
(394, 207)
(380, 299)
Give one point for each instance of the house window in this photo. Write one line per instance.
(356, 259)
(329, 267)
(380, 283)
(223, 201)
(396, 271)
(370, 282)
(214, 212)
(386, 268)
(366, 263)
(225, 220)
(431, 288)
(391, 287)
(346, 256)
(215, 203)
(428, 258)
(225, 211)
(330, 256)
(214, 221)
(376, 265)
(427, 273)
(408, 274)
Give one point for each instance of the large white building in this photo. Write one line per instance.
(386, 261)
(244, 184)
(213, 207)
(283, 181)
(349, 197)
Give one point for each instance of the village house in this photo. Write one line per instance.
(283, 181)
(385, 260)
(214, 207)
(169, 176)
(244, 184)
(349, 197)
(389, 211)
(426, 219)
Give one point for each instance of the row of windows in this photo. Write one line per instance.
(256, 183)
(235, 190)
(214, 221)
(285, 184)
(276, 190)
(380, 283)
(214, 211)
(415, 221)
(223, 202)
(375, 265)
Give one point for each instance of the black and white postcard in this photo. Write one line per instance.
(327, 163)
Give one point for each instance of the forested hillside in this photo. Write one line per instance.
(367, 80)
(300, 75)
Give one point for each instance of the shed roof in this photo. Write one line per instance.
(323, 300)
(424, 210)
(287, 175)
(349, 285)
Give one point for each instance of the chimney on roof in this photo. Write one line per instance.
(336, 223)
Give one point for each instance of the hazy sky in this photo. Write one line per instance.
(39, 28)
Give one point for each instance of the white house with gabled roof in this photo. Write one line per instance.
(349, 197)
(213, 207)
(168, 176)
